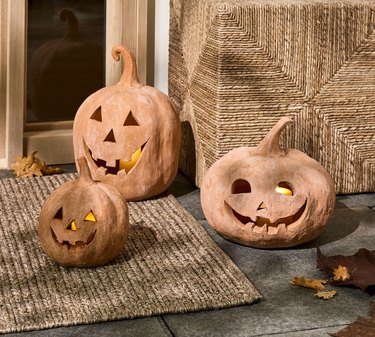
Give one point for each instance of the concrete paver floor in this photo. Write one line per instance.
(286, 310)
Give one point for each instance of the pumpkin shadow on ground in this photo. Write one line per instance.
(339, 226)
(141, 238)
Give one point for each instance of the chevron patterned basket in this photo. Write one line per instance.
(236, 67)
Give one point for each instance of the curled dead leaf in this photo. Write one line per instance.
(32, 166)
(309, 283)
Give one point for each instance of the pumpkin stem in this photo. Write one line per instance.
(129, 76)
(270, 144)
(72, 32)
(84, 172)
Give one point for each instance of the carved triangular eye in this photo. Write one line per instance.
(97, 115)
(90, 217)
(130, 120)
(59, 214)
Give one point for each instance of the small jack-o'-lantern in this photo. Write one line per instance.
(83, 223)
(130, 135)
(268, 197)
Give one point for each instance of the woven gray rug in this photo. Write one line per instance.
(169, 265)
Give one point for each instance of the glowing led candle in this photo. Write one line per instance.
(283, 190)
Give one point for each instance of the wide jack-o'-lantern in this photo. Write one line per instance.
(83, 223)
(130, 135)
(266, 196)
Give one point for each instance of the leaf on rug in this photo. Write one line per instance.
(32, 166)
(364, 327)
(360, 266)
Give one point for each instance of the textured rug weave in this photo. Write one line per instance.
(169, 265)
(237, 66)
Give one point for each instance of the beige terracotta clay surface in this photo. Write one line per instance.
(61, 74)
(117, 121)
(266, 196)
(83, 223)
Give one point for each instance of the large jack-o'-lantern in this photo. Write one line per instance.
(266, 196)
(83, 223)
(130, 135)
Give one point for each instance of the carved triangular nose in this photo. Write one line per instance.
(110, 137)
(262, 205)
(72, 226)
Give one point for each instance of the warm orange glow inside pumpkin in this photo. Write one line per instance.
(283, 190)
(128, 165)
(72, 226)
(90, 217)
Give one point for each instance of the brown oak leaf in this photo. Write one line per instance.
(309, 283)
(361, 266)
(32, 166)
(363, 327)
(341, 273)
(326, 295)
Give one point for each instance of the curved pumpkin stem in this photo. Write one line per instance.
(73, 31)
(270, 145)
(84, 172)
(129, 76)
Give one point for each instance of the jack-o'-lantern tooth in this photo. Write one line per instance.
(272, 230)
(102, 170)
(122, 173)
(260, 229)
(111, 163)
(251, 225)
(282, 227)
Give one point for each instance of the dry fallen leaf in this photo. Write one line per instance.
(341, 273)
(364, 327)
(27, 166)
(32, 166)
(47, 170)
(309, 283)
(361, 266)
(326, 295)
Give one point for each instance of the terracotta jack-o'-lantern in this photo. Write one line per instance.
(63, 72)
(83, 223)
(266, 196)
(130, 135)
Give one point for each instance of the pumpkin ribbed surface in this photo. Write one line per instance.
(169, 264)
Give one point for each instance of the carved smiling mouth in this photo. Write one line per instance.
(121, 166)
(76, 245)
(264, 225)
